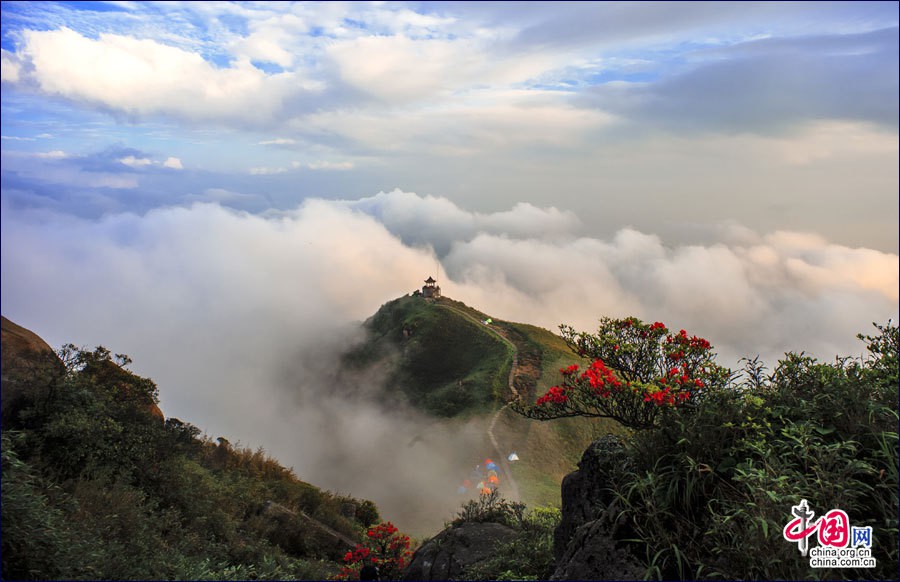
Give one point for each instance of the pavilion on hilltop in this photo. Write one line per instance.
(431, 290)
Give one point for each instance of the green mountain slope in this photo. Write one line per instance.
(97, 485)
(442, 358)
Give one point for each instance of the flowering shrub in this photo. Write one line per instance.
(385, 548)
(636, 370)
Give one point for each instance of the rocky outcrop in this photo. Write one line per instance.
(31, 369)
(298, 533)
(29, 366)
(586, 542)
(447, 555)
(594, 554)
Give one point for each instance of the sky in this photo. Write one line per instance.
(225, 190)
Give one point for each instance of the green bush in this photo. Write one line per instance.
(718, 461)
(36, 541)
(97, 487)
(528, 556)
(491, 508)
(712, 490)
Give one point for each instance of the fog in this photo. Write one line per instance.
(240, 318)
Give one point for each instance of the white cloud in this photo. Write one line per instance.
(134, 162)
(10, 67)
(325, 165)
(138, 163)
(173, 163)
(265, 171)
(833, 140)
(110, 181)
(145, 77)
(762, 299)
(397, 68)
(400, 69)
(273, 40)
(278, 141)
(53, 155)
(438, 222)
(486, 122)
(221, 195)
(317, 165)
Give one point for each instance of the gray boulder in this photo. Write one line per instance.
(585, 544)
(585, 492)
(594, 554)
(448, 554)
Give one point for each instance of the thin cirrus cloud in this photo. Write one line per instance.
(295, 165)
(278, 141)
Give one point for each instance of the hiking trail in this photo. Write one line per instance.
(513, 371)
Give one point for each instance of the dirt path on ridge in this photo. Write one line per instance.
(513, 371)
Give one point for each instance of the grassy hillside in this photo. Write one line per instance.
(549, 450)
(442, 358)
(439, 360)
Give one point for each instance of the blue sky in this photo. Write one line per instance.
(216, 187)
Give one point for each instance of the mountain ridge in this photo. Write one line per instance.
(97, 484)
(523, 360)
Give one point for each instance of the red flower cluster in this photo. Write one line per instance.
(382, 531)
(666, 397)
(692, 342)
(654, 368)
(359, 554)
(569, 371)
(601, 379)
(556, 395)
(385, 548)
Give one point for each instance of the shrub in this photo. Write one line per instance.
(95, 487)
(385, 548)
(491, 508)
(637, 372)
(528, 556)
(711, 481)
